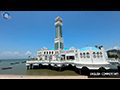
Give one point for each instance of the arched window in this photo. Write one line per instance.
(88, 55)
(97, 54)
(94, 55)
(101, 54)
(52, 52)
(45, 57)
(49, 52)
(84, 55)
(81, 55)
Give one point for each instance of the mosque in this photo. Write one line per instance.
(72, 53)
(59, 56)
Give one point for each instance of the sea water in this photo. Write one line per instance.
(20, 69)
(17, 69)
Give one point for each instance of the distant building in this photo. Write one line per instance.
(112, 53)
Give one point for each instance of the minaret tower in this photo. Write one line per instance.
(58, 41)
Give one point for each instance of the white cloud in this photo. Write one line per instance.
(28, 52)
(7, 53)
(116, 47)
(16, 55)
(16, 52)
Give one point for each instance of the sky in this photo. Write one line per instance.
(28, 31)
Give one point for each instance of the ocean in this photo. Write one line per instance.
(20, 69)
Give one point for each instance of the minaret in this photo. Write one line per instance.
(58, 41)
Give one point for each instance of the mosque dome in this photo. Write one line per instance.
(54, 48)
(51, 48)
(87, 48)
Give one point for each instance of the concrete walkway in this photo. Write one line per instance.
(41, 77)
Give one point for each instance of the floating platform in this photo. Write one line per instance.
(60, 65)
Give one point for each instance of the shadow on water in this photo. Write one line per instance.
(45, 70)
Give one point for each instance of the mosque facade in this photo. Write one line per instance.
(84, 55)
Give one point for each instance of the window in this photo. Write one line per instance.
(97, 54)
(94, 55)
(88, 55)
(56, 31)
(52, 52)
(45, 57)
(61, 45)
(44, 52)
(50, 57)
(84, 55)
(47, 52)
(80, 53)
(56, 52)
(101, 54)
(60, 31)
(56, 45)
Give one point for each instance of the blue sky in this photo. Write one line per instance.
(28, 31)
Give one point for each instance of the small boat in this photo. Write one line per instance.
(14, 63)
(24, 62)
(6, 68)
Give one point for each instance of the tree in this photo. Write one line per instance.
(40, 58)
(29, 57)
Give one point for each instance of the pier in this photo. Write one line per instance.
(49, 64)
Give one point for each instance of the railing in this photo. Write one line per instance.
(70, 51)
(62, 51)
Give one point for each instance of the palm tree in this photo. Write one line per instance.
(29, 57)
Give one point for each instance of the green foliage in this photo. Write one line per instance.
(40, 58)
(113, 56)
(28, 56)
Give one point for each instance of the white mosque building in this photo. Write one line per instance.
(89, 57)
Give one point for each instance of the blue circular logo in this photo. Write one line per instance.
(6, 15)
